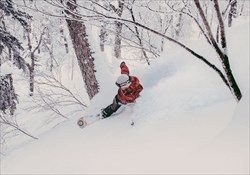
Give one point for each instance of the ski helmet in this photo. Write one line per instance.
(123, 81)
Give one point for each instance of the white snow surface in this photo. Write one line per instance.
(186, 121)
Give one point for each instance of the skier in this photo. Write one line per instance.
(129, 90)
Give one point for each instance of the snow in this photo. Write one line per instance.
(5, 69)
(186, 121)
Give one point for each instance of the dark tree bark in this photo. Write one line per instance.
(83, 53)
(224, 57)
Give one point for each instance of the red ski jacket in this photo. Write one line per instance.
(130, 94)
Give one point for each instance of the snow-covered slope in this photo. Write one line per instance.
(186, 121)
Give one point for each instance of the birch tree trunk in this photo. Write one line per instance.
(83, 53)
(118, 39)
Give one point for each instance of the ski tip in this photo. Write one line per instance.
(81, 123)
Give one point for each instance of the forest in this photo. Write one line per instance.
(54, 54)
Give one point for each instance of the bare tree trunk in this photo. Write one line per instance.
(179, 26)
(83, 53)
(64, 38)
(138, 37)
(118, 38)
(103, 32)
(242, 7)
(224, 57)
(38, 50)
(103, 35)
(31, 65)
(233, 86)
(49, 46)
(232, 11)
(165, 31)
(51, 58)
(32, 76)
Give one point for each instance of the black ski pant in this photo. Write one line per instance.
(110, 109)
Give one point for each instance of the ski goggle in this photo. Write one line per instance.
(124, 84)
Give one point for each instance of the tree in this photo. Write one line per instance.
(11, 43)
(103, 36)
(8, 96)
(118, 28)
(83, 53)
(230, 80)
(33, 59)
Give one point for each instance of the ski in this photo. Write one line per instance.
(88, 120)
